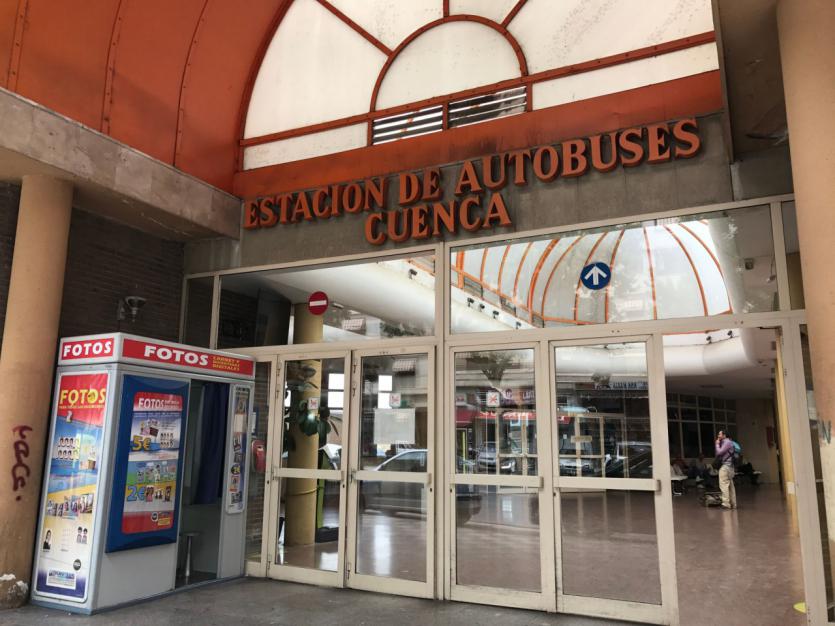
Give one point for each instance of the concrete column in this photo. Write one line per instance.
(26, 370)
(301, 504)
(807, 51)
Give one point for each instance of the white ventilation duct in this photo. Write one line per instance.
(727, 355)
(386, 294)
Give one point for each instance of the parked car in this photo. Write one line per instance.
(403, 497)
(488, 453)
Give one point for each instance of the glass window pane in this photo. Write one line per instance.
(690, 439)
(708, 439)
(497, 537)
(256, 478)
(308, 525)
(609, 545)
(603, 411)
(823, 453)
(271, 307)
(198, 322)
(674, 438)
(495, 412)
(792, 243)
(391, 529)
(708, 264)
(393, 423)
(313, 416)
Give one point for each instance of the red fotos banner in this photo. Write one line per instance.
(82, 397)
(87, 348)
(187, 357)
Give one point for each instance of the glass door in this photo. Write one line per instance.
(258, 478)
(308, 486)
(499, 535)
(391, 492)
(611, 472)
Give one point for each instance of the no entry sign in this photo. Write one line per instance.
(318, 302)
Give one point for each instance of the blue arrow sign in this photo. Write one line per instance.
(596, 275)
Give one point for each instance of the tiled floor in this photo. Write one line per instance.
(733, 568)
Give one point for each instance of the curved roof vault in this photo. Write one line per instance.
(166, 78)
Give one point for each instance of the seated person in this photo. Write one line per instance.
(698, 468)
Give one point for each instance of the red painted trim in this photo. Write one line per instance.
(446, 8)
(715, 261)
(551, 275)
(17, 45)
(107, 100)
(580, 279)
(684, 97)
(651, 275)
(518, 274)
(692, 266)
(611, 267)
(544, 257)
(509, 17)
(246, 96)
(356, 27)
(527, 80)
(501, 268)
(178, 135)
(523, 64)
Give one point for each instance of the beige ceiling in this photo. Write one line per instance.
(748, 34)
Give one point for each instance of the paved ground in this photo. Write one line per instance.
(253, 601)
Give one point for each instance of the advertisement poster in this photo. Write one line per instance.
(149, 456)
(237, 452)
(65, 546)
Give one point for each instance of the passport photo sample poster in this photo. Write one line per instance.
(148, 463)
(64, 549)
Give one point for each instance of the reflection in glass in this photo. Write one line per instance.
(792, 243)
(198, 319)
(497, 537)
(710, 264)
(393, 422)
(313, 414)
(823, 456)
(495, 412)
(260, 308)
(256, 478)
(603, 411)
(391, 529)
(312, 439)
(309, 537)
(609, 545)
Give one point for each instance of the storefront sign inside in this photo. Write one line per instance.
(475, 202)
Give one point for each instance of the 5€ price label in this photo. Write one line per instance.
(140, 444)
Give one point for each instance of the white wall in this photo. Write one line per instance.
(752, 418)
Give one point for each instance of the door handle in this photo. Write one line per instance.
(429, 478)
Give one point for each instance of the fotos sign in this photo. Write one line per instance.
(423, 210)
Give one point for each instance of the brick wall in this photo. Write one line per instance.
(9, 200)
(105, 262)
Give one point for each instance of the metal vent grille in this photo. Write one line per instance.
(449, 115)
(489, 107)
(412, 124)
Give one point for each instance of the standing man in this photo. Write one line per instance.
(725, 452)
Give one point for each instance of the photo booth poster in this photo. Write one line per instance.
(65, 546)
(148, 463)
(237, 452)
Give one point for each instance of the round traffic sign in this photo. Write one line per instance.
(596, 275)
(318, 302)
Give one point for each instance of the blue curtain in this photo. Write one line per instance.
(213, 443)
